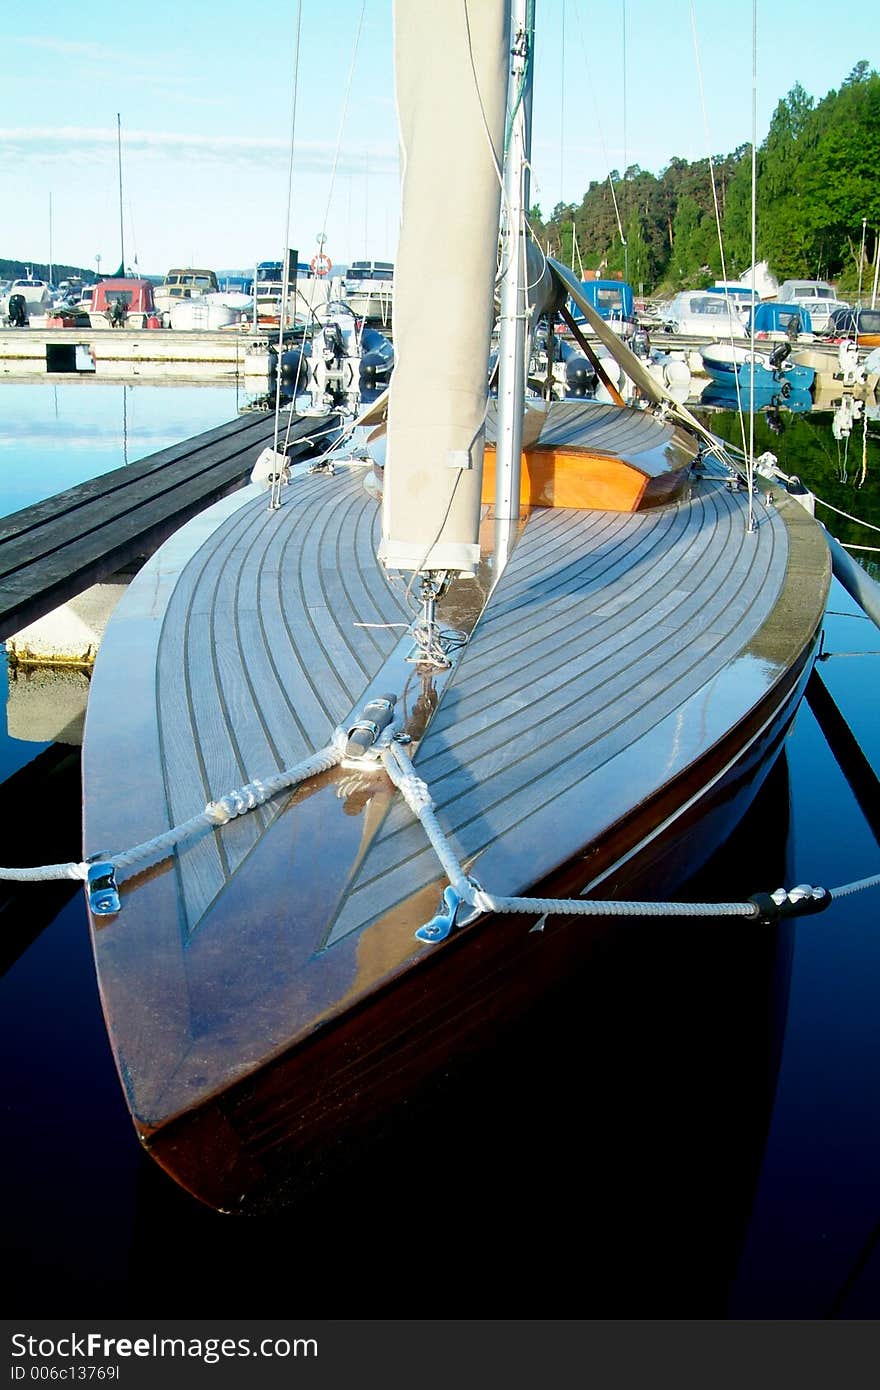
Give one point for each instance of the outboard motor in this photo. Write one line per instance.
(774, 421)
(16, 311)
(641, 343)
(779, 354)
(847, 356)
(334, 345)
(793, 331)
(117, 314)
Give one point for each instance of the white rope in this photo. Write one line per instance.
(417, 795)
(418, 798)
(216, 813)
(415, 792)
(858, 886)
(858, 520)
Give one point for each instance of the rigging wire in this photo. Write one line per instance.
(625, 148)
(275, 493)
(598, 120)
(750, 462)
(727, 300)
(342, 119)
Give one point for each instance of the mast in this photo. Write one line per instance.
(119, 160)
(514, 308)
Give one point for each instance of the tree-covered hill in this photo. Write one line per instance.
(18, 270)
(817, 179)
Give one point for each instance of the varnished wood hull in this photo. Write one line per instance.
(265, 1141)
(616, 708)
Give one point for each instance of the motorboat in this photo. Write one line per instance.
(697, 314)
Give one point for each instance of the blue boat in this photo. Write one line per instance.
(612, 300)
(781, 323)
(728, 363)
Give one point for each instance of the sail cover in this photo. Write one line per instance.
(451, 62)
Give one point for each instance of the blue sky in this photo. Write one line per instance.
(204, 91)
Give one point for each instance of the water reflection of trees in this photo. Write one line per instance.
(841, 467)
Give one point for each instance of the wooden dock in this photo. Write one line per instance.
(53, 550)
(164, 353)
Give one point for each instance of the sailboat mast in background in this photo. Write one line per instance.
(119, 160)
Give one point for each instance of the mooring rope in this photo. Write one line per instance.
(216, 813)
(416, 793)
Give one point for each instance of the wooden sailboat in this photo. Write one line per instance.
(605, 660)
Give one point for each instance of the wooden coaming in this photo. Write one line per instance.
(264, 984)
(581, 455)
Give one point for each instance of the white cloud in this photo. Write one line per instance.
(51, 144)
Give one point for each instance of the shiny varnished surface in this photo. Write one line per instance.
(615, 655)
(583, 454)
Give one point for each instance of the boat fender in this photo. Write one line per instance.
(801, 901)
(579, 372)
(375, 716)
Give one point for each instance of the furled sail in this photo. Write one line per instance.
(451, 74)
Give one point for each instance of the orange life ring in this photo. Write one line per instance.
(320, 265)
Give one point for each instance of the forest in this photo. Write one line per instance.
(817, 204)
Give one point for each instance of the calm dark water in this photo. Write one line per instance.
(687, 1129)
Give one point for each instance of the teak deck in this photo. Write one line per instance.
(53, 550)
(626, 667)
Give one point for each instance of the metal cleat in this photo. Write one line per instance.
(363, 732)
(441, 926)
(102, 889)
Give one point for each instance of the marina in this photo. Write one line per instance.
(448, 822)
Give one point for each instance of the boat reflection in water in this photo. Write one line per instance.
(766, 399)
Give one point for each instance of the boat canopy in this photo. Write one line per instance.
(612, 299)
(371, 270)
(772, 317)
(733, 291)
(135, 294)
(861, 324)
